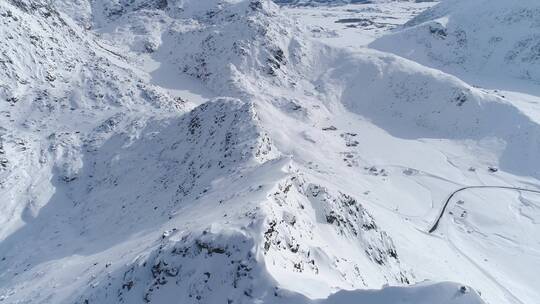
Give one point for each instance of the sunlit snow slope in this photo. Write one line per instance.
(206, 151)
(487, 43)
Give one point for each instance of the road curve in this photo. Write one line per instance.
(445, 205)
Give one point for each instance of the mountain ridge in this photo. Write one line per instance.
(264, 170)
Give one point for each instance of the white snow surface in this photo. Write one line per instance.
(210, 151)
(492, 44)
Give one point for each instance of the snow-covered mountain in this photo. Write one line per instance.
(338, 2)
(487, 43)
(319, 2)
(206, 151)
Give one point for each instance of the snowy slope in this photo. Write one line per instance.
(487, 43)
(336, 2)
(312, 181)
(53, 93)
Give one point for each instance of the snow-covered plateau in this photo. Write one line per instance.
(241, 151)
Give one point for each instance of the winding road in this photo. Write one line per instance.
(446, 203)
